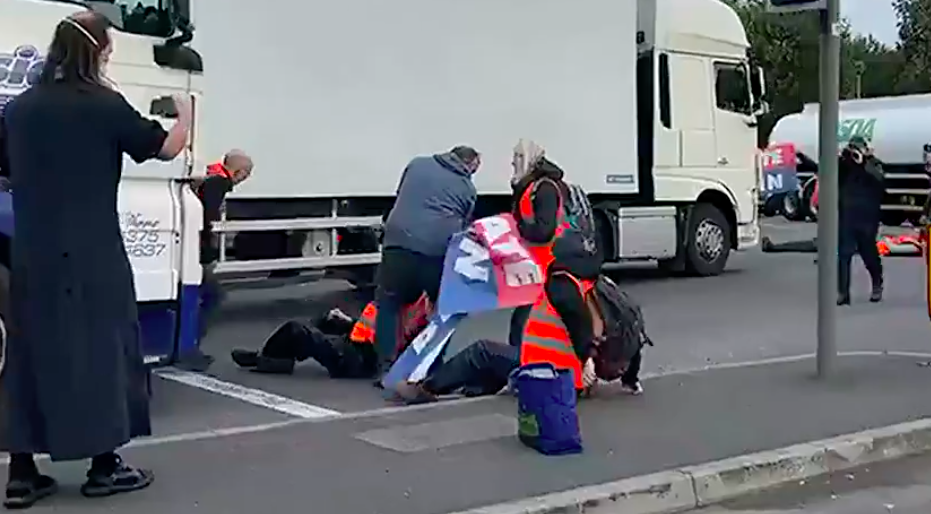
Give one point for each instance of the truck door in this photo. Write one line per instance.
(736, 134)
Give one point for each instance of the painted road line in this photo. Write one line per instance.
(249, 395)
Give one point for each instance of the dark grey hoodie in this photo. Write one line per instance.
(435, 200)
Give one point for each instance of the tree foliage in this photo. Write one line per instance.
(787, 47)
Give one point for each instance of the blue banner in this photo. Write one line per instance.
(486, 268)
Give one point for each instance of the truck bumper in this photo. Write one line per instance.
(748, 235)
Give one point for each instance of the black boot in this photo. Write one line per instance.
(26, 485)
(876, 295)
(843, 299)
(108, 475)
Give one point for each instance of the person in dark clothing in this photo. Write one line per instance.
(537, 186)
(74, 384)
(484, 367)
(221, 179)
(860, 179)
(342, 345)
(435, 200)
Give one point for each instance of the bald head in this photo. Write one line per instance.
(239, 165)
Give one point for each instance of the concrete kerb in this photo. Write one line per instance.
(697, 486)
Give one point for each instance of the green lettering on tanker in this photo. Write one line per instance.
(849, 128)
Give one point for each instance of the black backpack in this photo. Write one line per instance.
(624, 327)
(579, 240)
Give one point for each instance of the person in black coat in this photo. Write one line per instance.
(861, 184)
(74, 384)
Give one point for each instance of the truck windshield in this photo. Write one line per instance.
(143, 17)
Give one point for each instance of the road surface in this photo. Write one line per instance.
(762, 308)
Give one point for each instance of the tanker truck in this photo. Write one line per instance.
(649, 105)
(159, 215)
(895, 126)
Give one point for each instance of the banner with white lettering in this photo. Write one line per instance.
(779, 170)
(486, 268)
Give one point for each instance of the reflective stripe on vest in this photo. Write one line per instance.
(363, 332)
(542, 253)
(546, 339)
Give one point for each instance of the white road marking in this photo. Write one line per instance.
(247, 394)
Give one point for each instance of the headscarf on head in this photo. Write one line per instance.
(526, 155)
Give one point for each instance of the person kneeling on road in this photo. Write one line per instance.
(569, 325)
(345, 347)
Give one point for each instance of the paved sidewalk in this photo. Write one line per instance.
(896, 487)
(464, 456)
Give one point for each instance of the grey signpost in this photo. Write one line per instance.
(828, 11)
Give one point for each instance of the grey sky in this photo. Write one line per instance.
(874, 17)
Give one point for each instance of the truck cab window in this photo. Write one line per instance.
(732, 91)
(143, 17)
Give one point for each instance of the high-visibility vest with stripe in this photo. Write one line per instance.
(413, 320)
(363, 331)
(542, 253)
(546, 340)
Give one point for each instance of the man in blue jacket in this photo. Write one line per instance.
(435, 199)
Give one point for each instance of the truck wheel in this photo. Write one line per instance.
(791, 207)
(772, 206)
(808, 193)
(708, 241)
(4, 312)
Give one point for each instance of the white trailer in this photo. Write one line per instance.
(898, 128)
(650, 105)
(159, 214)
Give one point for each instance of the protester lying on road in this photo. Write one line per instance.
(345, 347)
(587, 326)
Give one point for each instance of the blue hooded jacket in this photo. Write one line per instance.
(436, 198)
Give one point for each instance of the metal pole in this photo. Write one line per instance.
(828, 191)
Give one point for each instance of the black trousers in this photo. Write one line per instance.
(518, 320)
(480, 369)
(327, 343)
(403, 276)
(484, 366)
(857, 238)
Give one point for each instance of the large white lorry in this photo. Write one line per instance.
(896, 127)
(650, 105)
(160, 216)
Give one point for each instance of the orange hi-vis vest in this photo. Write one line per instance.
(218, 168)
(542, 253)
(546, 339)
(414, 319)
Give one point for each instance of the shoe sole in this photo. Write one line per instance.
(28, 501)
(104, 491)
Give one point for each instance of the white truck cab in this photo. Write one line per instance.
(159, 214)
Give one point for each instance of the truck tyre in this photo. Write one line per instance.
(791, 207)
(708, 240)
(808, 193)
(4, 312)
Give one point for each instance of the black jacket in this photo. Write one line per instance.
(212, 193)
(861, 189)
(546, 199)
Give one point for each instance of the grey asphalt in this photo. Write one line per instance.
(762, 307)
(466, 455)
(896, 487)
